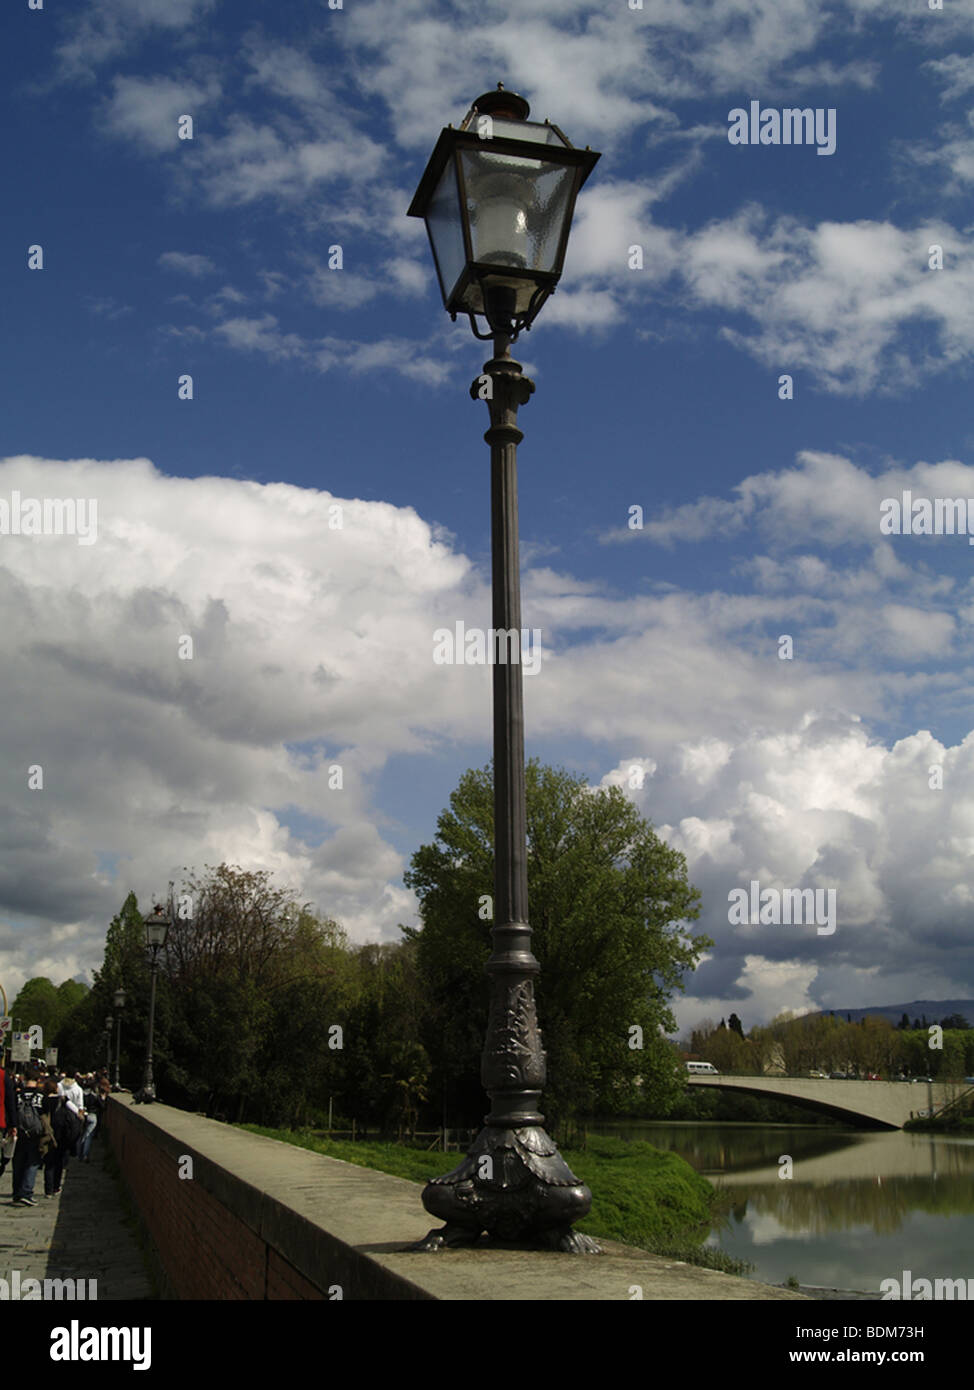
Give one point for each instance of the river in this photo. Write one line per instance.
(860, 1207)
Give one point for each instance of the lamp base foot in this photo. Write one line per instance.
(448, 1237)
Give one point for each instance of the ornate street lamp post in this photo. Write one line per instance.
(498, 196)
(108, 1043)
(156, 931)
(120, 1005)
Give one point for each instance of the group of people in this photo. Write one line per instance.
(45, 1117)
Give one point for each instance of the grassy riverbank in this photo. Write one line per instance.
(640, 1195)
(962, 1125)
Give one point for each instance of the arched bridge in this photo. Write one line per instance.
(872, 1104)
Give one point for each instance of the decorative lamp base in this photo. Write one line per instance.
(515, 1185)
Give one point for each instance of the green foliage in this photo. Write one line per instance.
(81, 1033)
(608, 903)
(254, 982)
(641, 1195)
(39, 1002)
(823, 1042)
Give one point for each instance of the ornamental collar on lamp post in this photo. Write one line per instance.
(157, 928)
(497, 197)
(119, 999)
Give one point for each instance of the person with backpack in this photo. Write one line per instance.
(66, 1125)
(30, 1128)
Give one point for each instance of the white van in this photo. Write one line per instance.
(701, 1068)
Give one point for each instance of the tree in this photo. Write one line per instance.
(223, 955)
(608, 904)
(729, 1052)
(81, 1031)
(951, 1063)
(700, 1036)
(37, 1002)
(954, 1021)
(735, 1023)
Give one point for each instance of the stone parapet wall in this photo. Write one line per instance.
(234, 1215)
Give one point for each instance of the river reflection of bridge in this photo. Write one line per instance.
(871, 1156)
(887, 1185)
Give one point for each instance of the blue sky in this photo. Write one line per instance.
(655, 387)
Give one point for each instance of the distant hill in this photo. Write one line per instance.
(934, 1009)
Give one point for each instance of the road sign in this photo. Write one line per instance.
(20, 1048)
(6, 1025)
(36, 1035)
(50, 1057)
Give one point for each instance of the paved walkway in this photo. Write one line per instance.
(83, 1234)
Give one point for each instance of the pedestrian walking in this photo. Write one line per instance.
(93, 1106)
(47, 1144)
(30, 1127)
(70, 1090)
(67, 1124)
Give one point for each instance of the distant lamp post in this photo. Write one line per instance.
(120, 1005)
(156, 931)
(108, 1043)
(497, 196)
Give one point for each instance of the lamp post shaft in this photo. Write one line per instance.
(118, 1049)
(148, 1085)
(513, 1182)
(513, 1070)
(510, 814)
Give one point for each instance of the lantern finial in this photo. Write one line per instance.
(506, 106)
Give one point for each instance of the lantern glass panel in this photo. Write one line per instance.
(446, 232)
(156, 932)
(517, 208)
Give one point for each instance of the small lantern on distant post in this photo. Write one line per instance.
(156, 929)
(497, 197)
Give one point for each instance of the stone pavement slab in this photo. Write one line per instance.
(82, 1234)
